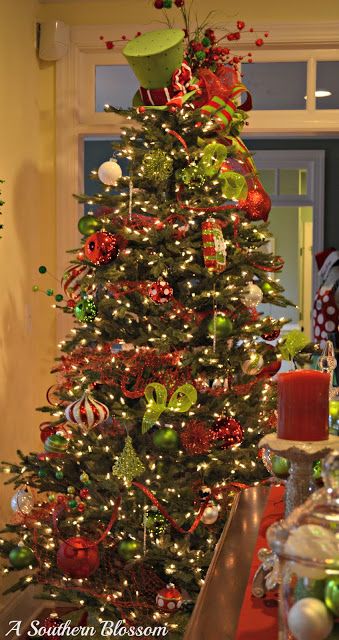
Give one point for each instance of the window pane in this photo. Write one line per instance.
(293, 182)
(268, 180)
(328, 81)
(97, 151)
(115, 84)
(276, 85)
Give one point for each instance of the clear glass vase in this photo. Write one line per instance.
(307, 545)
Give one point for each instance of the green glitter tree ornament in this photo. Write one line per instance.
(157, 166)
(128, 466)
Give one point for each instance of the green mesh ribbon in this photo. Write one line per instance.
(156, 395)
(233, 185)
(128, 466)
(294, 342)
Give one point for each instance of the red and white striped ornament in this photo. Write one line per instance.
(87, 412)
(72, 279)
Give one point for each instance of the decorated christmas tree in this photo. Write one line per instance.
(164, 385)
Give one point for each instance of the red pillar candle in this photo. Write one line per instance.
(303, 401)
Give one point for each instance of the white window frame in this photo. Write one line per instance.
(76, 117)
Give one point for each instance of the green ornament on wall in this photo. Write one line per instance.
(128, 549)
(332, 595)
(280, 466)
(85, 310)
(166, 438)
(21, 557)
(223, 326)
(88, 225)
(307, 588)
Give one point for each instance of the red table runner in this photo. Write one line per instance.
(259, 616)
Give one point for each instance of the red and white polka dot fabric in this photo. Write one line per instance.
(325, 313)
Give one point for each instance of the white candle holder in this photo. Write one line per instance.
(301, 456)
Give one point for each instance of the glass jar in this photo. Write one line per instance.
(307, 545)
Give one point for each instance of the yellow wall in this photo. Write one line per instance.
(141, 11)
(27, 323)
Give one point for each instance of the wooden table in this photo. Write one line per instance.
(217, 610)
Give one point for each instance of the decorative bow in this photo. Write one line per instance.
(183, 86)
(156, 395)
(219, 93)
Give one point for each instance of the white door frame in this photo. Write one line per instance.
(76, 116)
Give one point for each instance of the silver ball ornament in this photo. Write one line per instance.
(253, 365)
(309, 619)
(252, 295)
(109, 172)
(210, 515)
(22, 502)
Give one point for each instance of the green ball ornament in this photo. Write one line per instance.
(317, 470)
(128, 549)
(280, 466)
(334, 410)
(55, 443)
(206, 42)
(49, 292)
(42, 269)
(223, 327)
(88, 225)
(266, 287)
(72, 504)
(166, 438)
(200, 55)
(85, 310)
(167, 4)
(35, 288)
(51, 497)
(59, 297)
(21, 557)
(307, 588)
(332, 595)
(59, 475)
(42, 473)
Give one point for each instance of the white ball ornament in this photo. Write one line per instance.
(109, 172)
(309, 619)
(210, 515)
(22, 502)
(252, 295)
(253, 365)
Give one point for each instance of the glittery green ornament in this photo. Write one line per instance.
(85, 311)
(21, 557)
(128, 466)
(155, 521)
(42, 269)
(88, 225)
(128, 549)
(157, 166)
(59, 297)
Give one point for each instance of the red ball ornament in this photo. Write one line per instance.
(257, 203)
(270, 369)
(160, 292)
(240, 25)
(84, 493)
(195, 438)
(226, 432)
(47, 429)
(169, 599)
(78, 557)
(159, 4)
(179, 3)
(101, 247)
(271, 335)
(52, 622)
(259, 42)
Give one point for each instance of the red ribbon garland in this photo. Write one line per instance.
(102, 537)
(166, 515)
